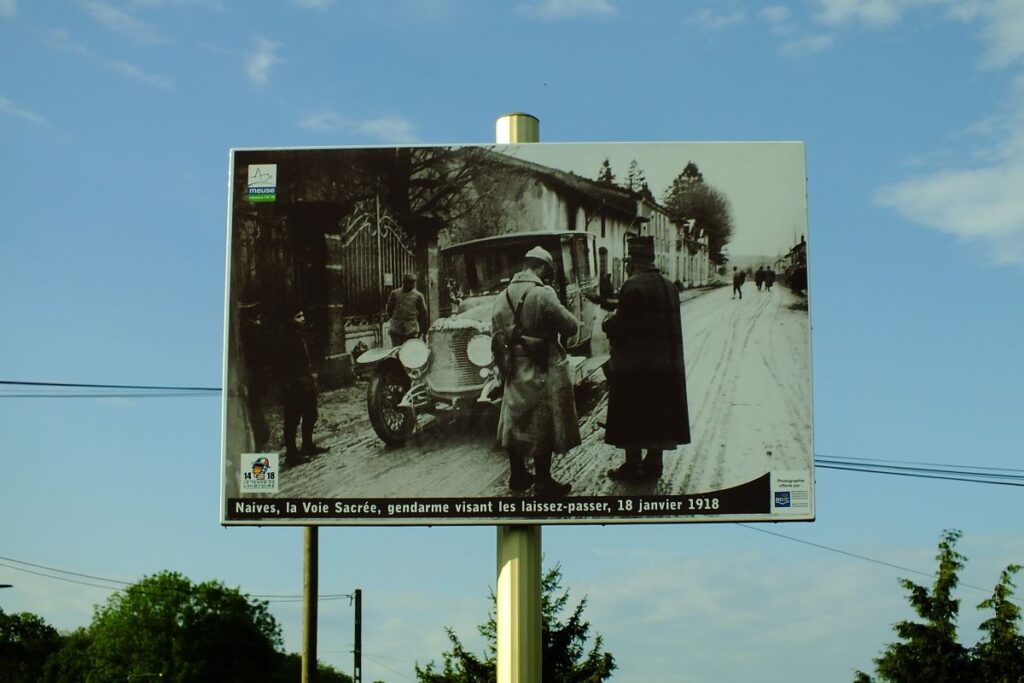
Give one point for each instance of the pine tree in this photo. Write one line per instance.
(1000, 654)
(635, 179)
(928, 650)
(605, 175)
(566, 658)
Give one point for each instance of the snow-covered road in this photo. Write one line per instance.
(748, 385)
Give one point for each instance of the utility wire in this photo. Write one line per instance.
(118, 582)
(162, 394)
(860, 557)
(73, 385)
(1001, 476)
(923, 475)
(914, 462)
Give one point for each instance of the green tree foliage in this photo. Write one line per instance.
(928, 650)
(165, 624)
(290, 670)
(566, 657)
(1000, 654)
(69, 664)
(690, 197)
(26, 641)
(605, 175)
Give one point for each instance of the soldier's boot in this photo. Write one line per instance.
(291, 450)
(519, 478)
(652, 465)
(629, 470)
(546, 486)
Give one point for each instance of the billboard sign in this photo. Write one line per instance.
(502, 334)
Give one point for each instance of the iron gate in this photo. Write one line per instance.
(368, 257)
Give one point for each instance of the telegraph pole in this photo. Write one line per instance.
(357, 652)
(310, 594)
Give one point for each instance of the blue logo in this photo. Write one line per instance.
(782, 499)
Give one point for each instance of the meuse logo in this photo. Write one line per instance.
(262, 183)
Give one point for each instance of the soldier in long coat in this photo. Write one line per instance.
(647, 407)
(298, 390)
(538, 413)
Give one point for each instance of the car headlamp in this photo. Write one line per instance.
(479, 351)
(414, 354)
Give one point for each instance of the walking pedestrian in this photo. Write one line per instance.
(538, 413)
(738, 278)
(647, 407)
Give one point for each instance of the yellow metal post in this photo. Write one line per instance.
(519, 547)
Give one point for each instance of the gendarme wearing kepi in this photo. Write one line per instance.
(538, 415)
(647, 407)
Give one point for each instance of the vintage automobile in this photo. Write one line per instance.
(453, 370)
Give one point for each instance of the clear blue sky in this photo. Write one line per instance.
(116, 117)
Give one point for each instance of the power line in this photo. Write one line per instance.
(859, 557)
(922, 475)
(914, 462)
(164, 394)
(123, 584)
(73, 385)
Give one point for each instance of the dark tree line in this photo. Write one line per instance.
(165, 627)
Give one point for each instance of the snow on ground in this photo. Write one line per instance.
(749, 391)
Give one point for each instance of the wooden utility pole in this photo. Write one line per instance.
(310, 593)
(519, 546)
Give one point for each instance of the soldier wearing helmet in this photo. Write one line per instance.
(538, 415)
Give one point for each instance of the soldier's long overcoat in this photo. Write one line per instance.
(646, 377)
(538, 402)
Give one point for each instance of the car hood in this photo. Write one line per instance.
(474, 313)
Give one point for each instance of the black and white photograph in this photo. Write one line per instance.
(536, 333)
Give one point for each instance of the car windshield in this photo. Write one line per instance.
(487, 268)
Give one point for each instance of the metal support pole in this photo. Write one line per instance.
(310, 592)
(357, 652)
(519, 547)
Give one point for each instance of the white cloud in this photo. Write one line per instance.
(568, 9)
(870, 12)
(61, 39)
(259, 62)
(393, 129)
(11, 109)
(984, 205)
(120, 21)
(1002, 30)
(778, 19)
(972, 193)
(135, 73)
(8, 8)
(808, 45)
(324, 122)
(710, 19)
(211, 4)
